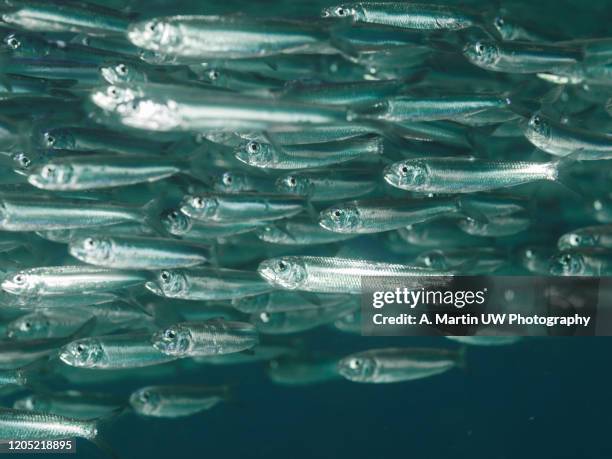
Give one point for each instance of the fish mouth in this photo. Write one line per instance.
(35, 180)
(391, 177)
(154, 288)
(108, 75)
(10, 287)
(67, 357)
(266, 272)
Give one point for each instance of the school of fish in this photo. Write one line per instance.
(183, 191)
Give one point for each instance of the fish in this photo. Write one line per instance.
(469, 175)
(176, 401)
(235, 181)
(378, 215)
(591, 236)
(141, 253)
(25, 213)
(209, 337)
(391, 365)
(64, 236)
(295, 321)
(112, 352)
(562, 140)
(298, 231)
(241, 207)
(71, 403)
(326, 185)
(432, 108)
(521, 57)
(258, 354)
(484, 340)
(171, 108)
(582, 262)
(69, 280)
(435, 234)
(303, 156)
(496, 226)
(80, 138)
(303, 371)
(198, 38)
(536, 259)
(482, 260)
(106, 171)
(416, 16)
(207, 284)
(42, 16)
(181, 225)
(340, 275)
(283, 300)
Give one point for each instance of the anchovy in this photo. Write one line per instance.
(340, 275)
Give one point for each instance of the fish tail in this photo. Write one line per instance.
(462, 358)
(151, 212)
(561, 172)
(100, 425)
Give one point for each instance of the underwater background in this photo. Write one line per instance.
(539, 397)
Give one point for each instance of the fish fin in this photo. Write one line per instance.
(311, 297)
(462, 358)
(84, 330)
(151, 213)
(471, 211)
(100, 424)
(562, 173)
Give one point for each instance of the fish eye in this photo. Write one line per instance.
(355, 363)
(121, 69)
(537, 120)
(23, 160)
(265, 317)
(151, 26)
(19, 279)
(574, 239)
(427, 260)
(213, 75)
(340, 11)
(144, 396)
(165, 276)
(80, 348)
(252, 147)
(89, 243)
(49, 139)
(227, 179)
(566, 258)
(337, 213)
(112, 91)
(597, 204)
(292, 181)
(27, 325)
(499, 22)
(13, 42)
(480, 48)
(170, 334)
(282, 266)
(198, 202)
(47, 171)
(529, 253)
(404, 169)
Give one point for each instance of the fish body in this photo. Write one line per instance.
(339, 275)
(197, 38)
(138, 252)
(325, 185)
(466, 175)
(176, 401)
(299, 231)
(304, 156)
(69, 280)
(241, 207)
(112, 352)
(210, 337)
(398, 364)
(207, 284)
(592, 236)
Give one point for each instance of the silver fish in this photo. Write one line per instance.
(340, 275)
(210, 337)
(398, 364)
(176, 401)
